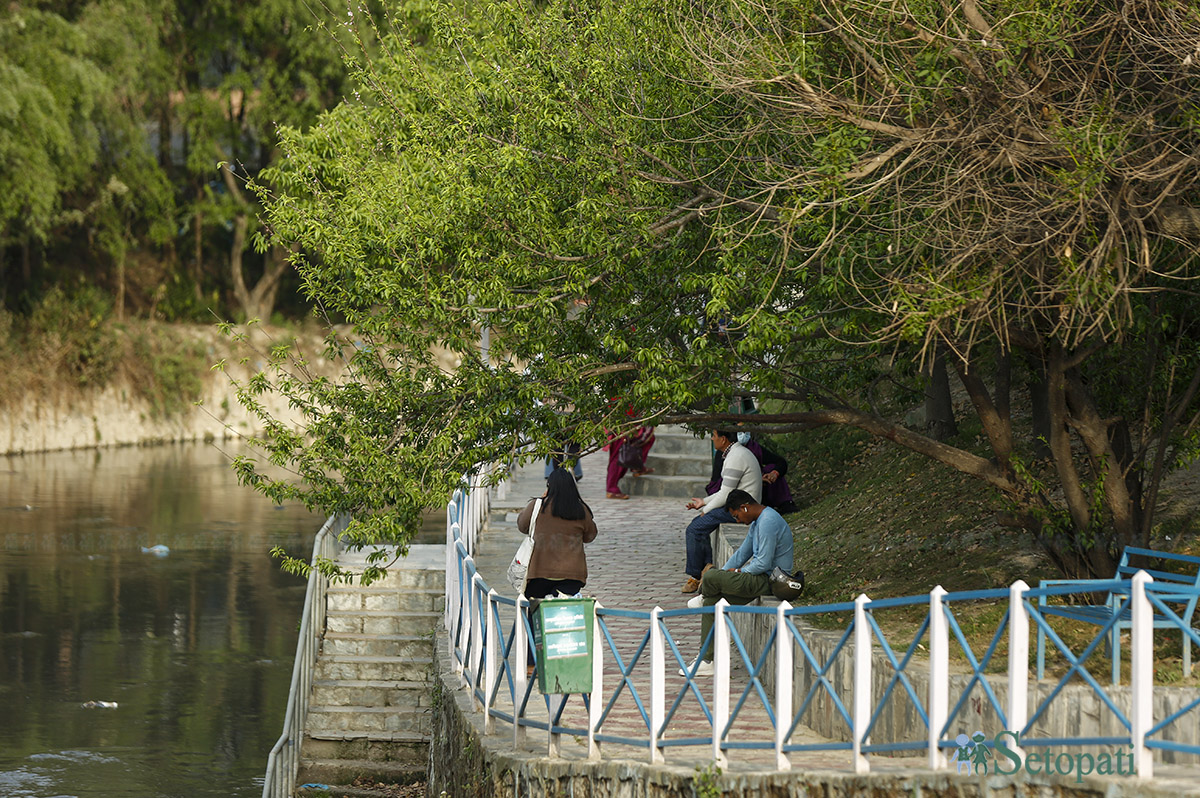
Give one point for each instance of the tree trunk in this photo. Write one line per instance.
(198, 248)
(1108, 470)
(1039, 398)
(120, 310)
(939, 409)
(997, 427)
(1063, 544)
(236, 251)
(257, 302)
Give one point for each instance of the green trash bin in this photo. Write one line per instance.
(562, 634)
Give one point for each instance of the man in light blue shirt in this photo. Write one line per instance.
(745, 575)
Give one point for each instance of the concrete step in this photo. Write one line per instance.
(378, 645)
(338, 772)
(364, 668)
(679, 465)
(357, 599)
(371, 693)
(331, 721)
(654, 485)
(383, 622)
(382, 747)
(397, 578)
(671, 442)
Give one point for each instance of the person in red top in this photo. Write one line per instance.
(627, 454)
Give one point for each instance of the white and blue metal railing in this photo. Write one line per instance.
(491, 646)
(283, 762)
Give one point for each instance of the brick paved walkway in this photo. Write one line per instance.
(636, 563)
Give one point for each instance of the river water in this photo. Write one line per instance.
(195, 648)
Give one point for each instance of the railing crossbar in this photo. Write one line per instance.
(689, 675)
(820, 680)
(898, 672)
(625, 679)
(977, 667)
(1076, 667)
(753, 683)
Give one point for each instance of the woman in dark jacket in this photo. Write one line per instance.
(564, 524)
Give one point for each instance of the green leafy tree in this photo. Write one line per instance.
(48, 137)
(75, 134)
(665, 208)
(241, 71)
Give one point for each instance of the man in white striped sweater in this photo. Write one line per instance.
(740, 471)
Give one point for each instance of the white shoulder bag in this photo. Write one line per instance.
(519, 567)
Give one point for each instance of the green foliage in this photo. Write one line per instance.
(706, 782)
(666, 207)
(75, 336)
(49, 90)
(168, 370)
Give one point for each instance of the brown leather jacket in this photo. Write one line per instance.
(557, 544)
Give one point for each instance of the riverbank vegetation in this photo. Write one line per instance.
(127, 128)
(71, 345)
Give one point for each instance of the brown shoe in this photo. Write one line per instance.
(692, 585)
(616, 496)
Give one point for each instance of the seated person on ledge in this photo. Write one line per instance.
(739, 471)
(746, 574)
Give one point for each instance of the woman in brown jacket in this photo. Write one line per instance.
(564, 524)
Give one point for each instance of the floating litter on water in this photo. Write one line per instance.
(158, 550)
(99, 705)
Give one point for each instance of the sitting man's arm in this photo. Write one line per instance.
(743, 553)
(767, 533)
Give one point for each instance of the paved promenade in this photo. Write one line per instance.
(636, 563)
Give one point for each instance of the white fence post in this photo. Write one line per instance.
(939, 676)
(520, 648)
(491, 659)
(1018, 660)
(658, 685)
(554, 705)
(862, 683)
(463, 603)
(720, 680)
(451, 560)
(1141, 661)
(596, 699)
(783, 685)
(476, 637)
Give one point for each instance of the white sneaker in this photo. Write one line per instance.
(695, 602)
(703, 669)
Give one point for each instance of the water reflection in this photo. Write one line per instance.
(194, 647)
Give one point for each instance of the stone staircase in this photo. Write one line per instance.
(682, 463)
(369, 713)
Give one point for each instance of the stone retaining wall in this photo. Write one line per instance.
(117, 415)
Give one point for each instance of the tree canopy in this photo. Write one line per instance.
(668, 207)
(114, 116)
